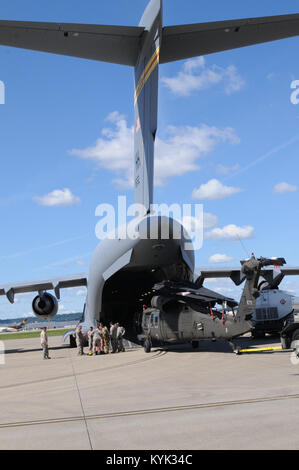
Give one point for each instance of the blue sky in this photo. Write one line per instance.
(229, 113)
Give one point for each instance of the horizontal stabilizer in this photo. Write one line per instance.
(185, 41)
(116, 44)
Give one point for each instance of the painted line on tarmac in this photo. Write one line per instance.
(149, 411)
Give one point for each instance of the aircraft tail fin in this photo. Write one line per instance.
(23, 323)
(146, 103)
(144, 47)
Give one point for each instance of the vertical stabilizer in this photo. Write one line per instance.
(146, 103)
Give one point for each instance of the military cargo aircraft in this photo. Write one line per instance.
(122, 270)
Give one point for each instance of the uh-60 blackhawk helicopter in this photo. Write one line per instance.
(183, 312)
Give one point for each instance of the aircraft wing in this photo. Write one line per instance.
(116, 44)
(235, 274)
(55, 284)
(290, 271)
(185, 41)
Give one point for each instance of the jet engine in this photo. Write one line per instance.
(45, 306)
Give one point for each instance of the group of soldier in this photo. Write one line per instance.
(100, 338)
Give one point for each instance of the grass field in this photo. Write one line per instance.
(31, 334)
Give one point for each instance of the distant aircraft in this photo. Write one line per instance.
(123, 271)
(12, 328)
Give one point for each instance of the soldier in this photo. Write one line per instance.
(79, 340)
(113, 338)
(105, 337)
(97, 341)
(119, 335)
(44, 343)
(90, 340)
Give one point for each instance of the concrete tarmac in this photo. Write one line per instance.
(178, 398)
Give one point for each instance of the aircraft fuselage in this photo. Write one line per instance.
(123, 271)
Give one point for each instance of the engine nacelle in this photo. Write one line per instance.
(45, 306)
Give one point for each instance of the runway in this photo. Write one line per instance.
(173, 399)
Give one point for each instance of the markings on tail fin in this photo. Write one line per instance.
(149, 68)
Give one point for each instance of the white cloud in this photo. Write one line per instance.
(114, 150)
(214, 189)
(175, 154)
(231, 231)
(195, 75)
(58, 197)
(219, 258)
(282, 188)
(178, 153)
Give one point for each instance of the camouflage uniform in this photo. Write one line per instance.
(44, 344)
(90, 340)
(97, 341)
(113, 338)
(106, 337)
(79, 341)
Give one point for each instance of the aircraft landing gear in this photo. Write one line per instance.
(147, 345)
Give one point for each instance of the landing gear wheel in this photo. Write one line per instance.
(147, 346)
(194, 344)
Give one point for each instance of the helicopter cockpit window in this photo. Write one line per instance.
(154, 323)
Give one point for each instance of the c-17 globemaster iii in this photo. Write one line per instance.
(124, 270)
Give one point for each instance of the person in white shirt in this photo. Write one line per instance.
(44, 343)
